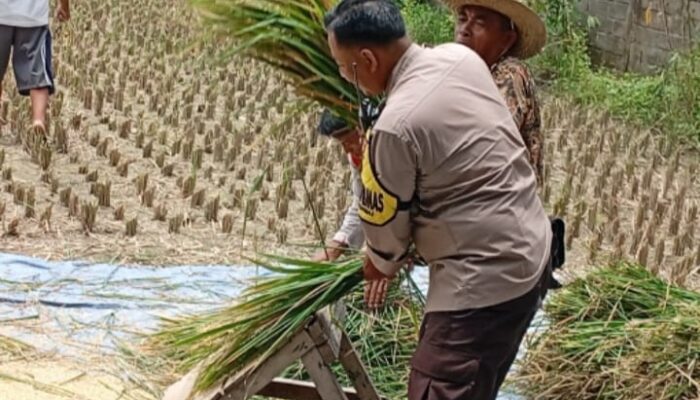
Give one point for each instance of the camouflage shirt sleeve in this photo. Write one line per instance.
(518, 89)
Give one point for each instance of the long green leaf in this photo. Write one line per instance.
(290, 37)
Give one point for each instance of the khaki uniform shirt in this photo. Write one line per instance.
(446, 168)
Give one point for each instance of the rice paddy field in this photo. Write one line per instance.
(165, 150)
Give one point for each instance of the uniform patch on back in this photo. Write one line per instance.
(377, 205)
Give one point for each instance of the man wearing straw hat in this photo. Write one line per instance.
(445, 168)
(502, 33)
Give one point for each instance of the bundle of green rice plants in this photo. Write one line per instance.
(386, 339)
(290, 37)
(620, 333)
(621, 291)
(237, 338)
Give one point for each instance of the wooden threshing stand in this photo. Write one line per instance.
(318, 344)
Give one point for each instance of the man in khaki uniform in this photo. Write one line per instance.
(445, 168)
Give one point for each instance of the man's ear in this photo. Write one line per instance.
(512, 40)
(370, 59)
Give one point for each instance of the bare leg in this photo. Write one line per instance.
(40, 102)
(37, 134)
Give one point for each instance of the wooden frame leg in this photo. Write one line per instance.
(320, 372)
(356, 370)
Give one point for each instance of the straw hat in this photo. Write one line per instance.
(532, 33)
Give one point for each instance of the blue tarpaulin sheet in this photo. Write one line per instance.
(98, 303)
(83, 307)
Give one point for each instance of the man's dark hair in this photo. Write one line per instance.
(354, 22)
(329, 125)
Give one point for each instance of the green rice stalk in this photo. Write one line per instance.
(237, 338)
(620, 333)
(289, 36)
(621, 291)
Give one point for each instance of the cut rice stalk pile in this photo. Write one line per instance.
(620, 333)
(234, 339)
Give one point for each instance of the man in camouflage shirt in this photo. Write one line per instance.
(504, 32)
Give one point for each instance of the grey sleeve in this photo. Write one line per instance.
(388, 184)
(350, 231)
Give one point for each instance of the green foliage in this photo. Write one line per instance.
(680, 93)
(428, 23)
(565, 56)
(668, 101)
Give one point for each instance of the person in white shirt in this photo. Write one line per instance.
(24, 33)
(350, 235)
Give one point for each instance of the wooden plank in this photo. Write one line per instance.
(356, 371)
(248, 385)
(182, 389)
(339, 313)
(319, 335)
(332, 331)
(298, 390)
(320, 372)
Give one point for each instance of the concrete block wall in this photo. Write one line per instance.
(641, 35)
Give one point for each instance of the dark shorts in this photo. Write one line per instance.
(31, 57)
(465, 355)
